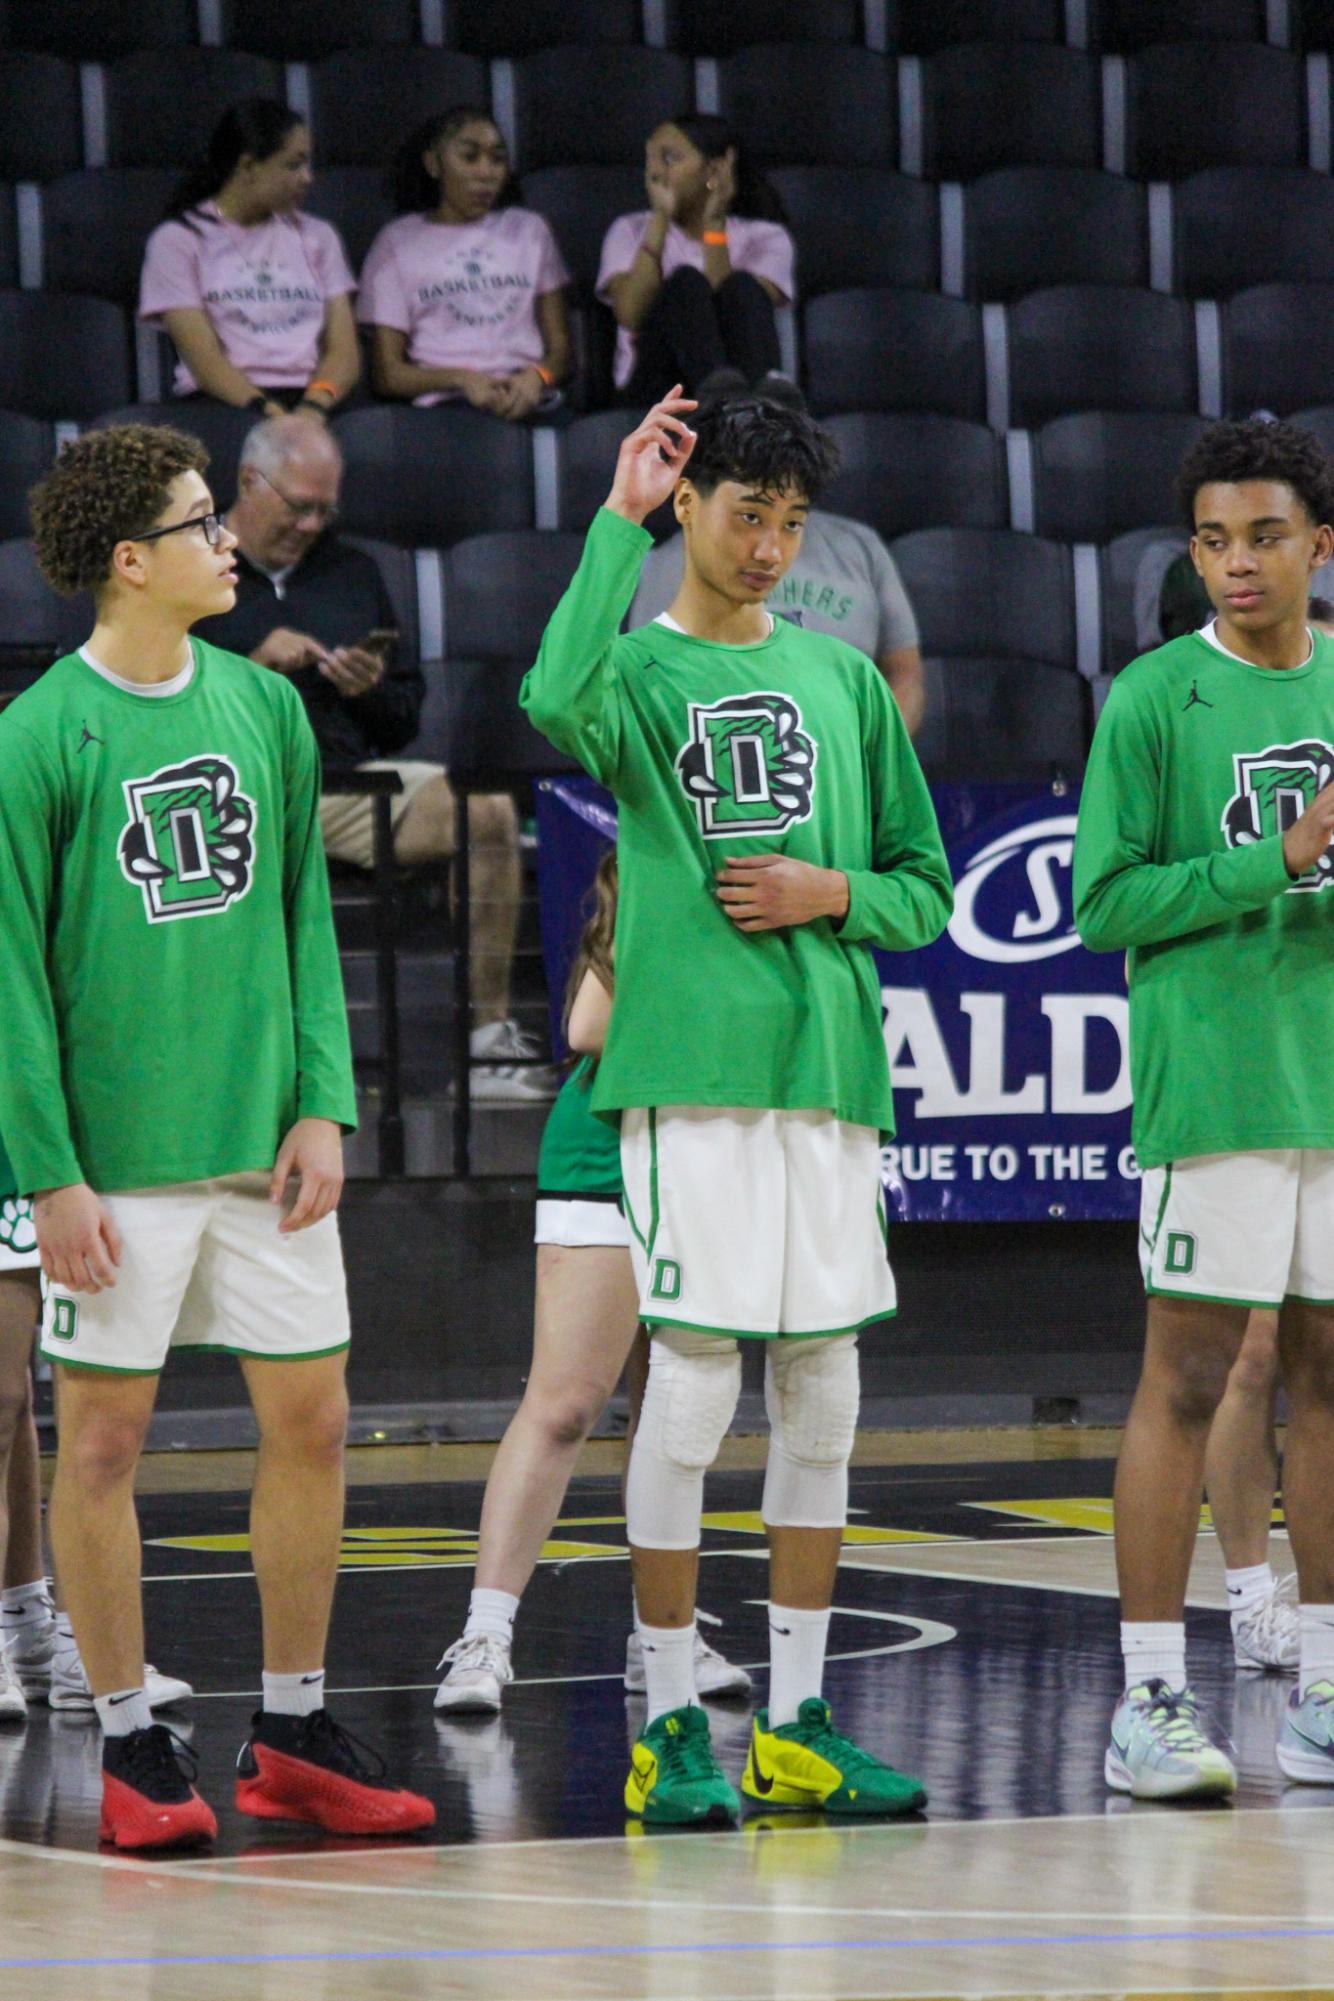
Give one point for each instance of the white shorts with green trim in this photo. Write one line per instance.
(203, 1266)
(1245, 1229)
(756, 1223)
(581, 1222)
(18, 1237)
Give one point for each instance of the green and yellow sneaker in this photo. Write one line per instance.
(810, 1764)
(675, 1780)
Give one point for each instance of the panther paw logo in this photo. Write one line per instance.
(1274, 788)
(189, 845)
(749, 766)
(16, 1227)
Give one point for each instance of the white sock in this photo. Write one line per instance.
(25, 1605)
(492, 1613)
(1154, 1648)
(1247, 1588)
(124, 1711)
(294, 1694)
(797, 1643)
(1317, 1631)
(669, 1667)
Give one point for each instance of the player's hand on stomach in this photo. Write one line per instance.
(652, 458)
(1307, 838)
(79, 1243)
(313, 1150)
(767, 892)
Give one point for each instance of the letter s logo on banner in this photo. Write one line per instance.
(1040, 848)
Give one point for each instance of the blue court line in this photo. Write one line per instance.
(425, 1955)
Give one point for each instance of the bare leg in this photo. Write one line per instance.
(94, 1528)
(1306, 1343)
(426, 833)
(19, 1305)
(296, 1506)
(23, 1552)
(1241, 1459)
(1188, 1354)
(665, 1581)
(587, 1308)
(802, 1566)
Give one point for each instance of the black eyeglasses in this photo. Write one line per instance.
(326, 512)
(212, 525)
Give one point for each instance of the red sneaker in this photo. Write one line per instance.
(309, 1768)
(148, 1800)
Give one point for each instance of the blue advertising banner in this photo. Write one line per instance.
(1008, 1042)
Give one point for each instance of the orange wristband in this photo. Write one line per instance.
(545, 373)
(714, 236)
(320, 382)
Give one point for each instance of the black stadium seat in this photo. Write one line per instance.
(522, 27)
(1319, 417)
(94, 227)
(63, 355)
(576, 104)
(9, 244)
(903, 471)
(795, 105)
(989, 719)
(220, 427)
(41, 120)
(27, 448)
(31, 613)
(487, 657)
(886, 350)
(581, 203)
(1100, 347)
(861, 226)
(1201, 104)
(305, 30)
(161, 104)
(1025, 227)
(721, 27)
(99, 30)
(356, 201)
(927, 25)
(1312, 24)
(586, 459)
(424, 478)
(1278, 348)
(1099, 473)
(988, 105)
(1122, 26)
(1280, 227)
(1119, 565)
(365, 102)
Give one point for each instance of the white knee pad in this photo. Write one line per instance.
(812, 1393)
(693, 1384)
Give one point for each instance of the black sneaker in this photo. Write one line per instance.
(148, 1798)
(309, 1768)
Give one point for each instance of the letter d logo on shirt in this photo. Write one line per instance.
(749, 767)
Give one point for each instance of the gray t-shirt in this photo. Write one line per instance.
(843, 581)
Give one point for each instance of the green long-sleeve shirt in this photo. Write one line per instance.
(169, 974)
(1199, 763)
(793, 745)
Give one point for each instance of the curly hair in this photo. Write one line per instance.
(106, 487)
(1259, 448)
(762, 442)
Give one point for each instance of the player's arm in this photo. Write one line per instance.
(590, 1016)
(570, 692)
(1122, 896)
(195, 339)
(905, 898)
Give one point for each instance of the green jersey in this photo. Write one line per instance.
(172, 992)
(580, 1153)
(1199, 763)
(8, 1185)
(793, 745)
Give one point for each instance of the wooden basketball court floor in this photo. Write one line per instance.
(975, 1641)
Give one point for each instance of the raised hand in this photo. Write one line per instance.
(652, 458)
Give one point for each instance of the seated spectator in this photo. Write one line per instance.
(843, 580)
(254, 294)
(311, 606)
(693, 279)
(465, 292)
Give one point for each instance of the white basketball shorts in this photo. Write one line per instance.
(581, 1222)
(1245, 1229)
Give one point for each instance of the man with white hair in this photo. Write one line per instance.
(313, 607)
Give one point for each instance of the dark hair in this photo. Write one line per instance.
(413, 188)
(713, 136)
(1257, 448)
(106, 487)
(762, 442)
(257, 125)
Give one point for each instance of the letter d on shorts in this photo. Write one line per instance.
(666, 1279)
(1179, 1259)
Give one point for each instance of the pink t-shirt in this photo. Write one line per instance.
(465, 294)
(763, 248)
(264, 287)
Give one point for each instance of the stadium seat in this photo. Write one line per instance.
(1119, 565)
(1319, 418)
(398, 568)
(986, 105)
(1200, 104)
(581, 203)
(1100, 347)
(1312, 24)
(989, 593)
(586, 459)
(598, 104)
(885, 350)
(1099, 473)
(62, 355)
(989, 719)
(1025, 227)
(356, 201)
(9, 247)
(94, 227)
(41, 122)
(1278, 348)
(32, 615)
(522, 27)
(927, 25)
(487, 657)
(861, 226)
(1122, 26)
(365, 102)
(27, 448)
(424, 478)
(720, 27)
(902, 471)
(794, 106)
(1280, 227)
(161, 104)
(220, 427)
(305, 30)
(99, 30)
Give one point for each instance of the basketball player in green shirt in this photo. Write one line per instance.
(1204, 849)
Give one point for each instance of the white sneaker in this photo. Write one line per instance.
(70, 1687)
(714, 1673)
(1267, 1638)
(1160, 1747)
(508, 1074)
(479, 1669)
(13, 1704)
(31, 1640)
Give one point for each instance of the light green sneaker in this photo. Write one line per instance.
(1160, 1748)
(1306, 1741)
(810, 1764)
(675, 1780)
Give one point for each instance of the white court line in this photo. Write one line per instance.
(758, 1554)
